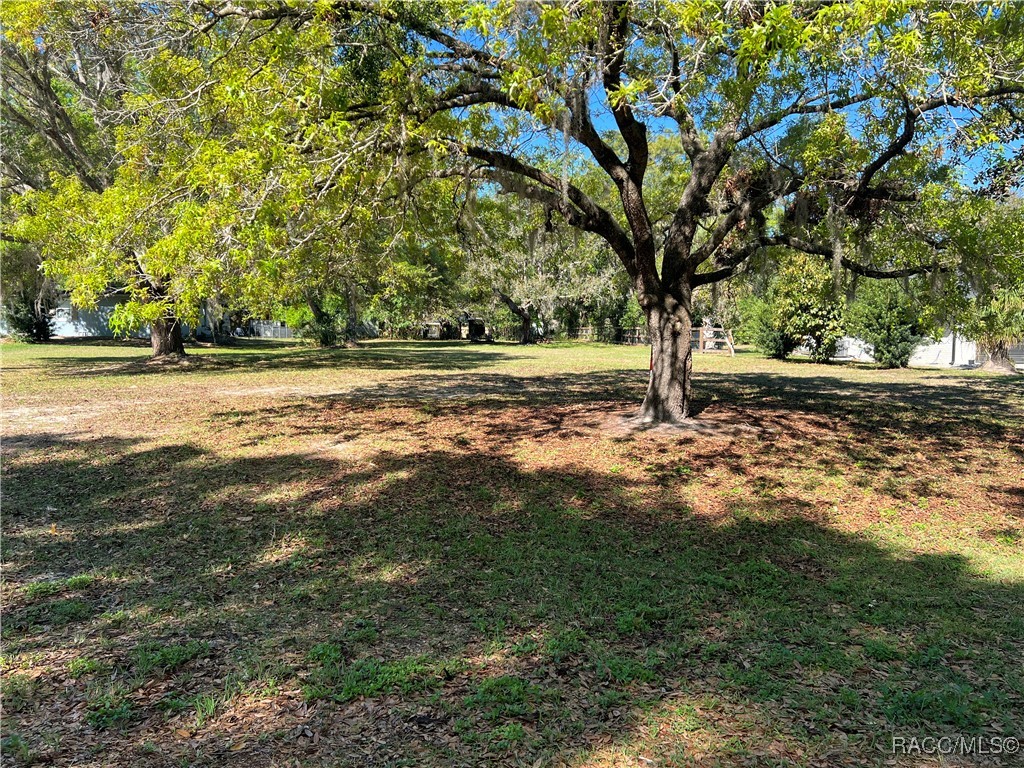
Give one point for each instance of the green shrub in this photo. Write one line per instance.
(823, 328)
(325, 332)
(26, 321)
(884, 317)
(801, 307)
(763, 330)
(632, 316)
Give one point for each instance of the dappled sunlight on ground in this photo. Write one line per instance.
(454, 554)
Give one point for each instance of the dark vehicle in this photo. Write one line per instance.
(477, 330)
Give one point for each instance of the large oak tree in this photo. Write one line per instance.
(813, 126)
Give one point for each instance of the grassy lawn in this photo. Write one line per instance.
(431, 553)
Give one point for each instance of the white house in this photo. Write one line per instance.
(948, 352)
(951, 351)
(72, 322)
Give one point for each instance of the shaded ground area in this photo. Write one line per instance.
(438, 554)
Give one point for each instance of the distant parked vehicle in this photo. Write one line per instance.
(442, 329)
(476, 330)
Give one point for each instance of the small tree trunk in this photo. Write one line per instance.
(352, 306)
(668, 391)
(41, 328)
(525, 328)
(523, 313)
(165, 336)
(998, 361)
(314, 306)
(326, 332)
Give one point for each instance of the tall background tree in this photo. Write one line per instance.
(531, 261)
(28, 297)
(996, 321)
(69, 71)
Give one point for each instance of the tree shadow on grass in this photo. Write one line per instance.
(943, 405)
(457, 608)
(893, 436)
(259, 357)
(99, 341)
(1014, 499)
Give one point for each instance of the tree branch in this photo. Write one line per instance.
(633, 131)
(576, 206)
(800, 107)
(826, 251)
(895, 147)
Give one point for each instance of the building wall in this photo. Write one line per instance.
(949, 351)
(852, 348)
(74, 322)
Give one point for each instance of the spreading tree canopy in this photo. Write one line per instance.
(69, 75)
(829, 128)
(282, 133)
(161, 158)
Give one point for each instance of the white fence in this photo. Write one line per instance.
(271, 329)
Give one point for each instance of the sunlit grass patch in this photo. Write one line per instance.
(333, 676)
(153, 655)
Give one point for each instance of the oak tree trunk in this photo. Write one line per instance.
(525, 328)
(352, 307)
(323, 322)
(523, 313)
(998, 361)
(165, 337)
(668, 392)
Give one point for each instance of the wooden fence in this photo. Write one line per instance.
(707, 339)
(702, 339)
